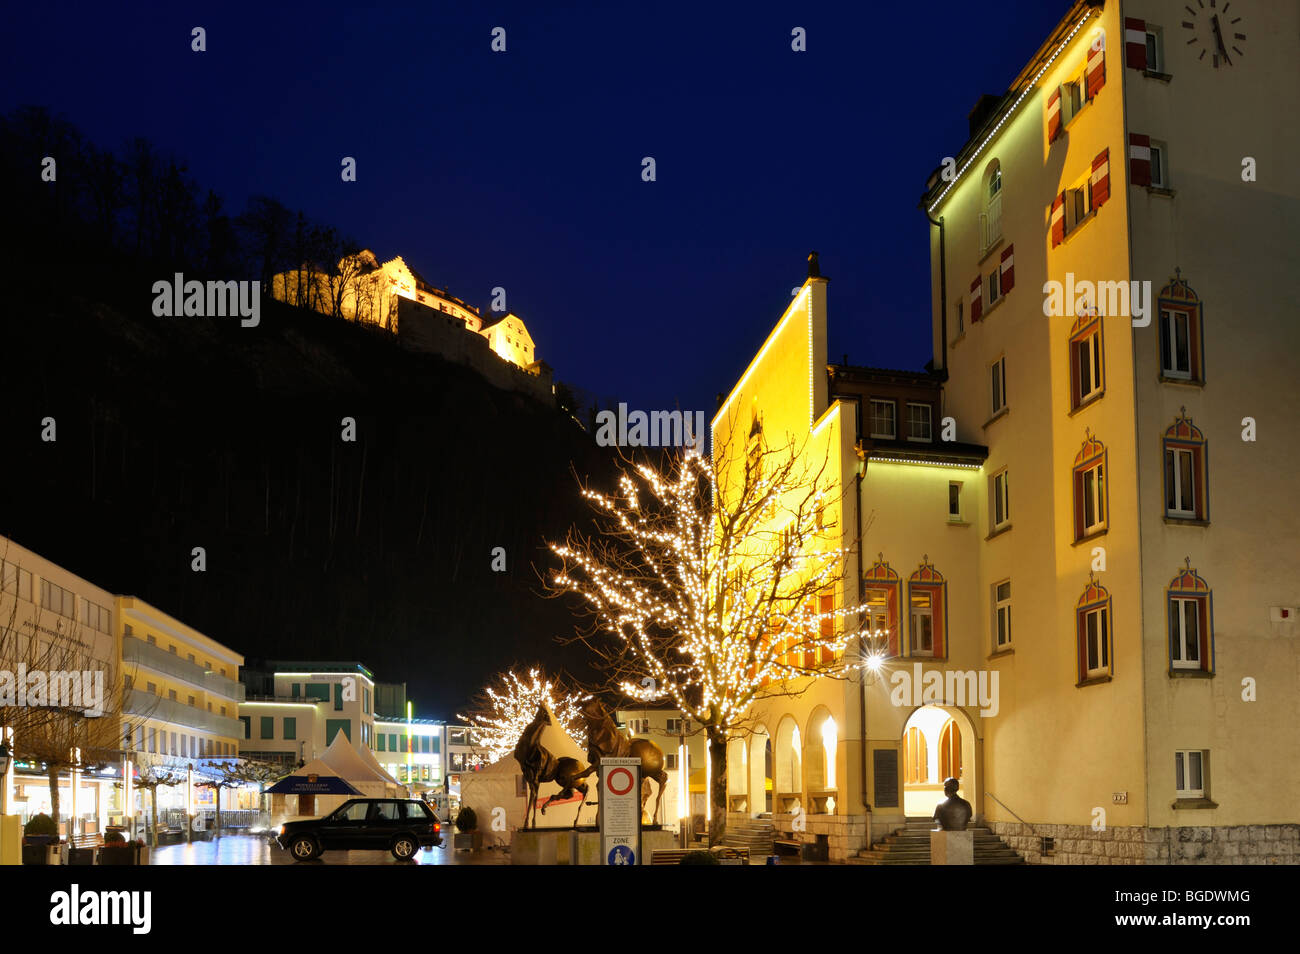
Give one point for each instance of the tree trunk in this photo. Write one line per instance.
(153, 811)
(718, 788)
(52, 772)
(216, 821)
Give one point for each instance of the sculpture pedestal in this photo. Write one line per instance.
(537, 847)
(952, 848)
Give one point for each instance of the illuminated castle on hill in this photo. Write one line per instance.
(395, 297)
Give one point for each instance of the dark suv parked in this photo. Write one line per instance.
(400, 825)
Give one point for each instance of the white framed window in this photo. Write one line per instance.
(922, 634)
(1092, 500)
(56, 599)
(1072, 101)
(1180, 482)
(994, 284)
(1175, 344)
(1002, 615)
(1096, 625)
(1185, 633)
(954, 501)
(1086, 352)
(1189, 773)
(1078, 203)
(1000, 508)
(961, 321)
(1155, 49)
(998, 384)
(884, 419)
(1159, 165)
(918, 422)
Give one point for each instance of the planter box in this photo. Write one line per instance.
(123, 855)
(467, 841)
(81, 856)
(41, 855)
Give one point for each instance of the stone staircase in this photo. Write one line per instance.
(911, 846)
(757, 835)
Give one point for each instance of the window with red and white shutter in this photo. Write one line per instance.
(1135, 43)
(1054, 115)
(1008, 269)
(1139, 159)
(1100, 178)
(977, 298)
(1095, 72)
(1058, 220)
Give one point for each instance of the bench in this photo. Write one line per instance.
(82, 848)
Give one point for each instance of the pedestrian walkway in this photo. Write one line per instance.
(262, 850)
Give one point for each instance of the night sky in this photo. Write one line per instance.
(523, 169)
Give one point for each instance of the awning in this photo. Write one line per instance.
(312, 785)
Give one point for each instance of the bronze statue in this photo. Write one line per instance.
(954, 812)
(539, 765)
(604, 740)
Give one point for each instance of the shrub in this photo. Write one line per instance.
(114, 838)
(699, 858)
(41, 824)
(467, 820)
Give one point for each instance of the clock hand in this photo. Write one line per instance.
(1218, 35)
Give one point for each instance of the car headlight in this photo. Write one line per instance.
(281, 830)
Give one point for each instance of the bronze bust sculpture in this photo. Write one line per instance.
(954, 812)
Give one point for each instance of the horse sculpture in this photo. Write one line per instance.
(604, 739)
(539, 765)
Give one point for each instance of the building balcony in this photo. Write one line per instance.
(137, 652)
(137, 702)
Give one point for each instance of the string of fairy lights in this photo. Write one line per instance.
(710, 601)
(512, 705)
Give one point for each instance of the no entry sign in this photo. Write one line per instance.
(620, 811)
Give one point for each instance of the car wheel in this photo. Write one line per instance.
(303, 848)
(404, 847)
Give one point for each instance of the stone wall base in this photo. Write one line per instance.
(1224, 845)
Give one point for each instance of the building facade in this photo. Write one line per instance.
(293, 708)
(1107, 609)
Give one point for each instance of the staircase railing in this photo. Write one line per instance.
(1017, 817)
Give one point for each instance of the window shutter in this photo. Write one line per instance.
(1081, 637)
(1095, 71)
(1054, 115)
(1101, 178)
(1135, 43)
(1203, 612)
(1058, 220)
(1139, 159)
(976, 298)
(937, 626)
(1008, 269)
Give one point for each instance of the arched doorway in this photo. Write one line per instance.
(938, 743)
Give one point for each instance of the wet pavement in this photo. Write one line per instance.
(262, 850)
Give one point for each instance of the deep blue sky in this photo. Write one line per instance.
(523, 169)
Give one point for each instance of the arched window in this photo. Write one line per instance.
(927, 597)
(1086, 359)
(1185, 482)
(882, 591)
(1090, 496)
(1191, 622)
(916, 761)
(991, 212)
(950, 751)
(1182, 353)
(1093, 620)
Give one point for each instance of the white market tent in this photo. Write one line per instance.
(340, 773)
(501, 785)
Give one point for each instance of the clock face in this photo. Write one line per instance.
(1215, 33)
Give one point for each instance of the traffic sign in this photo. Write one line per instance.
(620, 810)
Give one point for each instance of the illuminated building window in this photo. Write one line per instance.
(1090, 497)
(927, 598)
(954, 501)
(1191, 622)
(1085, 360)
(884, 419)
(882, 588)
(1185, 480)
(1093, 620)
(1001, 615)
(1190, 773)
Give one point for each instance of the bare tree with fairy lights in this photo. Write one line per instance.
(503, 710)
(714, 583)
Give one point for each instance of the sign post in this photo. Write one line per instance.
(620, 811)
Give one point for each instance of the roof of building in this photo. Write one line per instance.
(850, 372)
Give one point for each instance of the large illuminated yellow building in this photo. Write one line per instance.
(1041, 505)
